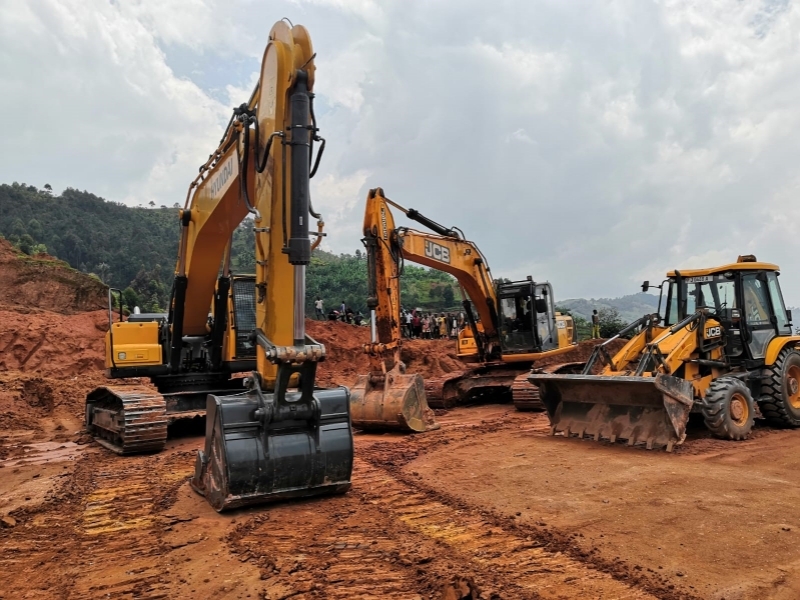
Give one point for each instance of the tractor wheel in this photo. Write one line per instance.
(728, 409)
(780, 401)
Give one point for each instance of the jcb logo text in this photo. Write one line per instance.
(437, 252)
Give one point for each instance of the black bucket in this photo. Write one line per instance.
(250, 460)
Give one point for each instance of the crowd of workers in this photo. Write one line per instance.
(414, 323)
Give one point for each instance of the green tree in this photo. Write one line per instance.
(448, 296)
(130, 298)
(610, 322)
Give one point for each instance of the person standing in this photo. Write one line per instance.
(595, 325)
(342, 310)
(416, 325)
(319, 311)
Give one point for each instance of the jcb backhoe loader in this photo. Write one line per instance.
(516, 324)
(724, 345)
(276, 435)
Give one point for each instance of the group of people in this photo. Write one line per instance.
(345, 313)
(416, 324)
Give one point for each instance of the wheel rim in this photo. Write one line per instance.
(793, 385)
(740, 411)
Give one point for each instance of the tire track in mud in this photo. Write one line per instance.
(386, 539)
(102, 530)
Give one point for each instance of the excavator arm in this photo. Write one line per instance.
(281, 438)
(445, 249)
(386, 398)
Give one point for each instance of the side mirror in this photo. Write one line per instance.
(645, 286)
(541, 305)
(789, 316)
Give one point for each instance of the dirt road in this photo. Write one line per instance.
(487, 507)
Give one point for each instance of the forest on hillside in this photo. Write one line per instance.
(134, 249)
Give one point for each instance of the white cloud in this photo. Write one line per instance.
(593, 145)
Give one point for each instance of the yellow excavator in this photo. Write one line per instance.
(272, 434)
(516, 322)
(388, 397)
(723, 346)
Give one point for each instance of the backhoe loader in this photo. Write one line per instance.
(273, 434)
(516, 322)
(723, 346)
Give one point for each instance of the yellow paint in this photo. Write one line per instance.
(134, 345)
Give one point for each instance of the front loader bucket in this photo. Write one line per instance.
(247, 461)
(394, 401)
(650, 410)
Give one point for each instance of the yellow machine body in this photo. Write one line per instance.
(724, 344)
(386, 398)
(273, 435)
(134, 344)
(501, 350)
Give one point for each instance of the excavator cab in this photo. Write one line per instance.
(527, 317)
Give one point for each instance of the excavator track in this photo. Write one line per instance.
(484, 384)
(526, 395)
(127, 420)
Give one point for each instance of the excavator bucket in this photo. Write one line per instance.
(393, 401)
(649, 410)
(255, 453)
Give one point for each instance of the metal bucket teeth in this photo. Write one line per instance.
(396, 403)
(640, 410)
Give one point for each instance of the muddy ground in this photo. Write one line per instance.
(488, 506)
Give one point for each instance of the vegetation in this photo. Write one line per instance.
(134, 249)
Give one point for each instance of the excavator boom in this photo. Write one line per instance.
(282, 437)
(387, 397)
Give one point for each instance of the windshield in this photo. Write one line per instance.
(714, 292)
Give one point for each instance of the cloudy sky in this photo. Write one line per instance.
(591, 143)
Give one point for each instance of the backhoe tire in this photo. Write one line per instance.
(780, 399)
(728, 409)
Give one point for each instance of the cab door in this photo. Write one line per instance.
(758, 313)
(545, 319)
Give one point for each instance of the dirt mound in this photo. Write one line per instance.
(29, 401)
(581, 352)
(45, 282)
(346, 359)
(51, 344)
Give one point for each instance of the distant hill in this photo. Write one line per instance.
(135, 248)
(630, 307)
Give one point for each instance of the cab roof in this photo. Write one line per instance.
(740, 265)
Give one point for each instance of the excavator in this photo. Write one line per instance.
(272, 434)
(387, 397)
(516, 322)
(723, 346)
